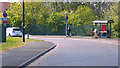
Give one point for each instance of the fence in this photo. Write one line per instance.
(43, 29)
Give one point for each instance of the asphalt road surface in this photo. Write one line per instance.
(79, 52)
(18, 56)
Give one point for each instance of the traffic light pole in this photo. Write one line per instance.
(23, 24)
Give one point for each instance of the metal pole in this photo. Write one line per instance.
(66, 29)
(92, 31)
(99, 11)
(23, 24)
(107, 30)
(110, 30)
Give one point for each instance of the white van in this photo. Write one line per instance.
(13, 31)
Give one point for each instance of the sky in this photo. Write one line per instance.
(9, 0)
(61, 0)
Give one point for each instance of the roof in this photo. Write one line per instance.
(13, 27)
(100, 21)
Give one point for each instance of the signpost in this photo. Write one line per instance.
(66, 24)
(66, 17)
(5, 21)
(108, 17)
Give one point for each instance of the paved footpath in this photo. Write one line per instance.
(20, 56)
(79, 52)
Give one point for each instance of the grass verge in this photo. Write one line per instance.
(14, 42)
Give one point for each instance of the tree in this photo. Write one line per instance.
(81, 19)
(56, 20)
(35, 13)
(82, 16)
(113, 13)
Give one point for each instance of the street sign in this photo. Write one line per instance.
(66, 17)
(66, 21)
(5, 22)
(5, 19)
(4, 14)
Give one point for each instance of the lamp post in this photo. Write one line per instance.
(23, 24)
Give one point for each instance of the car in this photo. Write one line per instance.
(13, 32)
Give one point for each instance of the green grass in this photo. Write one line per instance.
(12, 42)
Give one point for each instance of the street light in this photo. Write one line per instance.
(23, 24)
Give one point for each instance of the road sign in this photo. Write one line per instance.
(66, 17)
(5, 22)
(4, 14)
(66, 21)
(5, 19)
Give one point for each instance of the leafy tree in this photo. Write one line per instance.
(56, 20)
(52, 15)
(113, 13)
(82, 16)
(61, 6)
(35, 13)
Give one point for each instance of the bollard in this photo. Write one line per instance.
(27, 36)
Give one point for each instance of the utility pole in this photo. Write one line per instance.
(23, 24)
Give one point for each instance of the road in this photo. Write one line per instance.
(79, 52)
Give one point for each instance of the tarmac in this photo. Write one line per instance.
(75, 37)
(79, 52)
(26, 54)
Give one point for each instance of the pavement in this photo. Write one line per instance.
(79, 52)
(26, 54)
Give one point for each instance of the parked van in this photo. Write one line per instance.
(13, 31)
